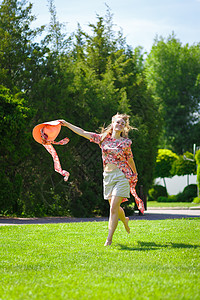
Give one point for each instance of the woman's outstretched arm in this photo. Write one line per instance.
(76, 129)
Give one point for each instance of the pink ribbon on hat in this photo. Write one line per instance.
(139, 202)
(48, 146)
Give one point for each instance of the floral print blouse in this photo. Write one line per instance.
(118, 151)
(115, 151)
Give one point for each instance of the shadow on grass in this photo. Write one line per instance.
(146, 246)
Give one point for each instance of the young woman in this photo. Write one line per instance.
(120, 175)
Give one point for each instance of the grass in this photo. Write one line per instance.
(171, 204)
(158, 260)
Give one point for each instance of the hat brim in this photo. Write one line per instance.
(36, 130)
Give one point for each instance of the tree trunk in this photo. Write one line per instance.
(165, 184)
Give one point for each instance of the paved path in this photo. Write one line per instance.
(150, 214)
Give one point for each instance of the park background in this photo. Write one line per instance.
(85, 77)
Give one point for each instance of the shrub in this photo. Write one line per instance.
(188, 194)
(163, 199)
(196, 200)
(171, 198)
(197, 158)
(87, 203)
(157, 191)
(191, 189)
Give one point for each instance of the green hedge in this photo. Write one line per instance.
(157, 191)
(196, 200)
(188, 194)
(171, 198)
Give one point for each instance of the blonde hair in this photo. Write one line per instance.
(108, 130)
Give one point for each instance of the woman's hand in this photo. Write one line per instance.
(132, 165)
(63, 122)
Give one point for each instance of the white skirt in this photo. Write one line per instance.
(115, 184)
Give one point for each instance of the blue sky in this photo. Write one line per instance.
(140, 20)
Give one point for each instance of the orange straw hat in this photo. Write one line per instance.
(50, 130)
(45, 134)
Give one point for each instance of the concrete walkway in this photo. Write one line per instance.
(150, 214)
(171, 213)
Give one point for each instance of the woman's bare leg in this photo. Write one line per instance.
(113, 218)
(124, 219)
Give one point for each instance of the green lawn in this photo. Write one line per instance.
(158, 260)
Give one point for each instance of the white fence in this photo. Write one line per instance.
(176, 184)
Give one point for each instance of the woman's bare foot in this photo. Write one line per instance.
(108, 243)
(126, 225)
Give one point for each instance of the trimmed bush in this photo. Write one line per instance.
(188, 194)
(157, 191)
(171, 198)
(163, 199)
(196, 200)
(197, 158)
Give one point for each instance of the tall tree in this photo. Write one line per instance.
(164, 162)
(103, 42)
(56, 37)
(14, 147)
(172, 72)
(86, 84)
(19, 55)
(184, 165)
(119, 84)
